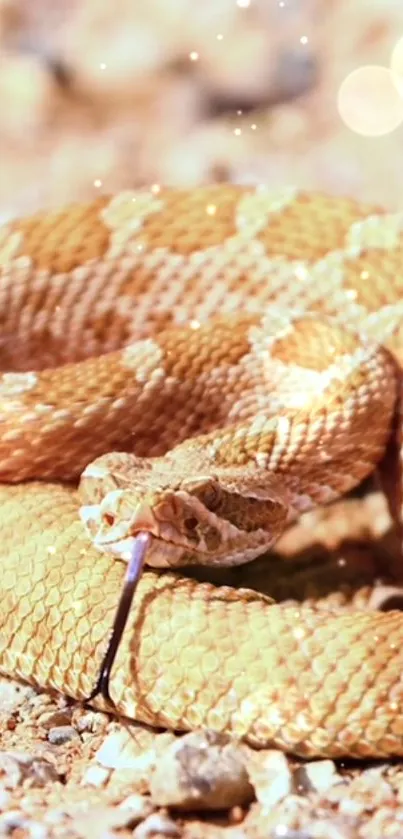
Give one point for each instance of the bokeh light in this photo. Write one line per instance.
(369, 101)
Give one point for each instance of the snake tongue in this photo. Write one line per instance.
(133, 573)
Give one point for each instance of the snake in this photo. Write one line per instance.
(202, 366)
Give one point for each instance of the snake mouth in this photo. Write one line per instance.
(117, 537)
(183, 530)
(110, 534)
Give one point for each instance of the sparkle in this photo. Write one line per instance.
(301, 272)
(51, 549)
(300, 400)
(102, 65)
(253, 126)
(97, 183)
(243, 4)
(237, 131)
(364, 276)
(211, 209)
(194, 324)
(156, 188)
(283, 425)
(299, 633)
(303, 39)
(220, 37)
(194, 56)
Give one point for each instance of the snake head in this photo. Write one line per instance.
(222, 516)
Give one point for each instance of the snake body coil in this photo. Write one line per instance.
(247, 347)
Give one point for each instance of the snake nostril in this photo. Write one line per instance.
(109, 519)
(191, 523)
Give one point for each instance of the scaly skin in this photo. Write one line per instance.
(311, 683)
(193, 655)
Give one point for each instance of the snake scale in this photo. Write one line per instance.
(246, 346)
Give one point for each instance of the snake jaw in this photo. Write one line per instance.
(112, 532)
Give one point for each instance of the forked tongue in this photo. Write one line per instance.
(134, 569)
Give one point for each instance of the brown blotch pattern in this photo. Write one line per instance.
(187, 222)
(313, 345)
(63, 240)
(310, 227)
(221, 342)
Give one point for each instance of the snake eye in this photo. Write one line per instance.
(206, 489)
(109, 519)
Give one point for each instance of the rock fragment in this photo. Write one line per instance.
(201, 771)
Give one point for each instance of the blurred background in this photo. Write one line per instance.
(98, 96)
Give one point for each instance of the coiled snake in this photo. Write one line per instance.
(246, 346)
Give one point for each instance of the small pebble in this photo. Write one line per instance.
(138, 807)
(36, 830)
(54, 719)
(91, 721)
(317, 776)
(12, 820)
(4, 798)
(16, 767)
(15, 820)
(271, 777)
(202, 770)
(13, 695)
(332, 828)
(62, 734)
(352, 807)
(156, 825)
(284, 832)
(98, 820)
(119, 751)
(96, 776)
(55, 817)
